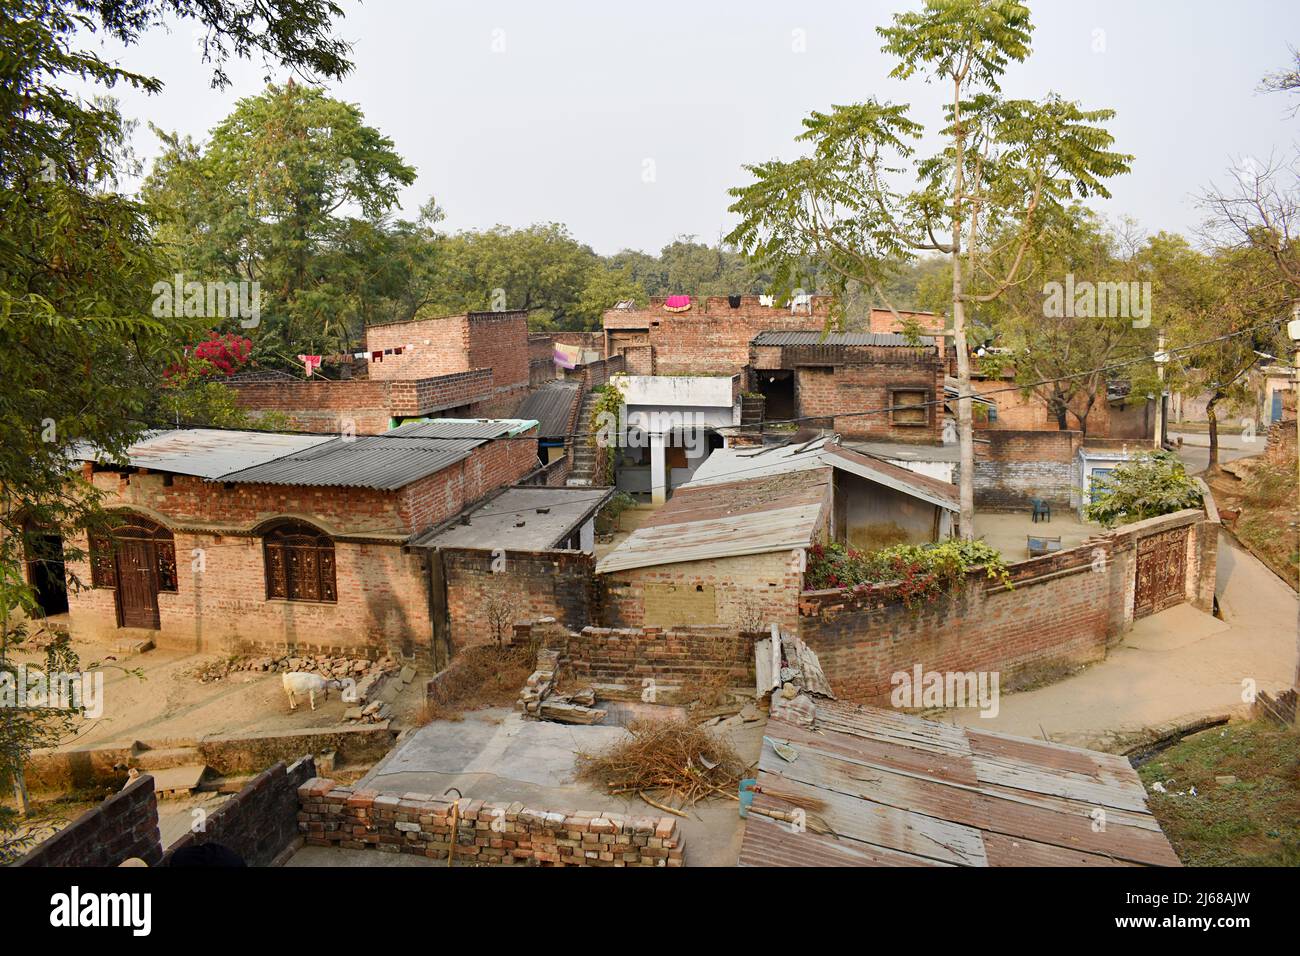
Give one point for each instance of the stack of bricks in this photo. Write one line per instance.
(485, 833)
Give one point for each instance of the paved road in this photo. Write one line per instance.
(1195, 453)
(1171, 668)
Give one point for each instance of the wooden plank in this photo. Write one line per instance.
(769, 842)
(940, 765)
(1065, 825)
(882, 826)
(1024, 776)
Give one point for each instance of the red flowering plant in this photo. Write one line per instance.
(917, 573)
(216, 356)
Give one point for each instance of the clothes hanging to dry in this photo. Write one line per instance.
(377, 355)
(677, 303)
(310, 363)
(766, 300)
(733, 301)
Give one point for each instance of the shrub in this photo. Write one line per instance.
(1150, 485)
(920, 572)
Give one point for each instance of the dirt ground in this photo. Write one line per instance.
(165, 702)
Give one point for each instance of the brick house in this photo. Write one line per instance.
(253, 539)
(711, 337)
(475, 365)
(730, 546)
(833, 378)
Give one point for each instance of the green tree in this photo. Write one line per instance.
(81, 354)
(1150, 485)
(268, 198)
(1004, 163)
(541, 268)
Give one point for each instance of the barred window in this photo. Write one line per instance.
(103, 572)
(299, 564)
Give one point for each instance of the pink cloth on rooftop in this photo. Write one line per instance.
(678, 303)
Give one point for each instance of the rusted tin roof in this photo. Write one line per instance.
(900, 790)
(777, 513)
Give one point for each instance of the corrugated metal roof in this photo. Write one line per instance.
(552, 407)
(208, 452)
(780, 513)
(900, 790)
(525, 518)
(879, 339)
(383, 462)
(733, 464)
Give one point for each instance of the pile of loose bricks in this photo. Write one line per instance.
(485, 833)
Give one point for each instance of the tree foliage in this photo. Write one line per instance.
(1150, 485)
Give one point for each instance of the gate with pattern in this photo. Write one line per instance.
(1161, 572)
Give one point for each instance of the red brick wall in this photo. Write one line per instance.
(1062, 610)
(456, 343)
(672, 657)
(382, 605)
(712, 338)
(761, 587)
(1013, 466)
(831, 391)
(383, 600)
(368, 404)
(482, 833)
(123, 826)
(556, 584)
(882, 320)
(1034, 630)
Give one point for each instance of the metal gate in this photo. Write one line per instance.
(1161, 572)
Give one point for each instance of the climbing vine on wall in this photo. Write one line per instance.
(603, 430)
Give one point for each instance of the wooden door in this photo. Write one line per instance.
(1161, 572)
(137, 584)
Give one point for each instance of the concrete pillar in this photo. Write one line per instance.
(658, 469)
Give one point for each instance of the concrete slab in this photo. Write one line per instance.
(178, 780)
(496, 755)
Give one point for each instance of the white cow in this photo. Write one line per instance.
(303, 682)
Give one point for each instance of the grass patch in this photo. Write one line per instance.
(1269, 519)
(480, 676)
(1254, 821)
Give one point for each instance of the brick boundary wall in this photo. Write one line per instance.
(1061, 611)
(539, 584)
(61, 771)
(322, 405)
(1011, 466)
(123, 826)
(485, 833)
(627, 656)
(261, 821)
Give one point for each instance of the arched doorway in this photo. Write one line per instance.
(137, 559)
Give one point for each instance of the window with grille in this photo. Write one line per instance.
(299, 564)
(902, 412)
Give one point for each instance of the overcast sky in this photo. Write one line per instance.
(522, 112)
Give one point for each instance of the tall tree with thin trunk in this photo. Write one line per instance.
(1002, 165)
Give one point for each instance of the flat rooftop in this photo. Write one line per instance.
(531, 518)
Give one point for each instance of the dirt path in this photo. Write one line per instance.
(169, 703)
(1170, 669)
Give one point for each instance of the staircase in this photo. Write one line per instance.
(751, 409)
(583, 472)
